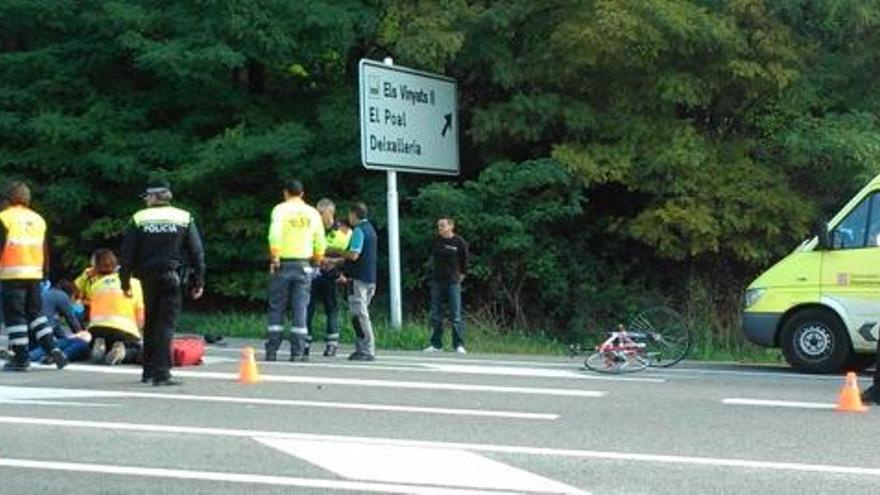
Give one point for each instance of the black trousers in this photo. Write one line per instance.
(133, 347)
(162, 302)
(22, 307)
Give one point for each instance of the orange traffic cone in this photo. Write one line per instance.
(248, 373)
(850, 399)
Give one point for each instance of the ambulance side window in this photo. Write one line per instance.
(874, 222)
(854, 231)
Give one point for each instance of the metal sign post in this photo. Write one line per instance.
(409, 123)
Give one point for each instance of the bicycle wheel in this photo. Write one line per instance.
(665, 335)
(616, 362)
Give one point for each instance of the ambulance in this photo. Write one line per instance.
(821, 303)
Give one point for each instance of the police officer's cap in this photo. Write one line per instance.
(157, 186)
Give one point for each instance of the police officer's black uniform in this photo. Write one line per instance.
(156, 244)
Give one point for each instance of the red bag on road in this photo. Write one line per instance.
(187, 351)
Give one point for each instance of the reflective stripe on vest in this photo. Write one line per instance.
(162, 215)
(22, 257)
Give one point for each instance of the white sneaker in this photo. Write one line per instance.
(116, 354)
(461, 350)
(431, 348)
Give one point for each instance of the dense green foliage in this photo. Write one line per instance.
(614, 152)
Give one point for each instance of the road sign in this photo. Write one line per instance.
(409, 120)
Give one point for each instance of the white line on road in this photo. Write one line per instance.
(356, 382)
(28, 395)
(426, 358)
(475, 447)
(357, 486)
(682, 371)
(470, 367)
(53, 403)
(777, 403)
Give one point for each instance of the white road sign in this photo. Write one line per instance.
(409, 120)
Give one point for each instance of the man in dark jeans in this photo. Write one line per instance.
(157, 242)
(450, 253)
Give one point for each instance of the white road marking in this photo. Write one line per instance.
(53, 394)
(356, 382)
(21, 395)
(23, 402)
(475, 447)
(416, 465)
(453, 358)
(251, 479)
(777, 403)
(476, 369)
(576, 363)
(207, 359)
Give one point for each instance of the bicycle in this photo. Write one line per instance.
(656, 337)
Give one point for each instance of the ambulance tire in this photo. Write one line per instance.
(814, 341)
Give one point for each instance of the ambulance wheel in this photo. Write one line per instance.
(814, 341)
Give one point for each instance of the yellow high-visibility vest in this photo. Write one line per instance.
(296, 231)
(23, 254)
(110, 307)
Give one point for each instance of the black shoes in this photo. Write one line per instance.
(330, 351)
(361, 356)
(17, 359)
(271, 356)
(59, 358)
(167, 382)
(16, 365)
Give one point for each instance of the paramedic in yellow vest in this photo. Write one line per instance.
(296, 244)
(324, 291)
(115, 319)
(23, 264)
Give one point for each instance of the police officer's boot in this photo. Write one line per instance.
(272, 345)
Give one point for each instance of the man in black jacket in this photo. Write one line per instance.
(157, 243)
(450, 253)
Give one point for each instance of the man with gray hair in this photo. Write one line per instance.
(337, 235)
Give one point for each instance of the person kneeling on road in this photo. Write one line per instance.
(114, 318)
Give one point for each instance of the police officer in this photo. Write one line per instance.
(338, 235)
(296, 243)
(23, 262)
(156, 244)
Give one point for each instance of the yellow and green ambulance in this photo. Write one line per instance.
(821, 303)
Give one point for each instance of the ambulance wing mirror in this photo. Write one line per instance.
(820, 230)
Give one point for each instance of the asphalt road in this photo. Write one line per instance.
(439, 423)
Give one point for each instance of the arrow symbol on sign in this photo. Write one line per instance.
(448, 126)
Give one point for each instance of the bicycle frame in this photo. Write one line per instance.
(620, 341)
